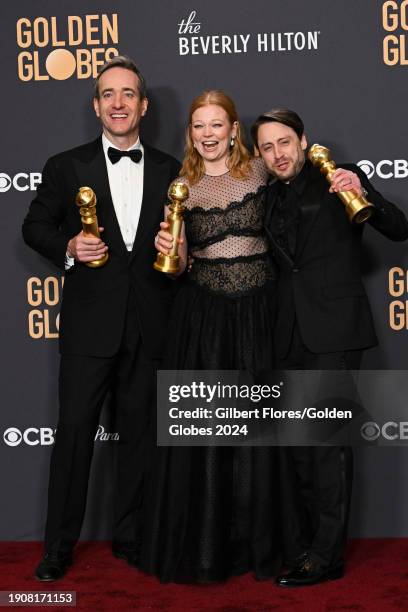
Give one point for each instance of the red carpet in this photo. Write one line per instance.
(376, 580)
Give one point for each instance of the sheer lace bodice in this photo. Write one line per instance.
(224, 227)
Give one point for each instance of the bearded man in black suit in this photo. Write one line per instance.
(113, 318)
(324, 323)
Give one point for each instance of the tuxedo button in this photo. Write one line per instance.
(295, 270)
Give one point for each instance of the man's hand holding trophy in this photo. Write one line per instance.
(87, 247)
(170, 262)
(357, 208)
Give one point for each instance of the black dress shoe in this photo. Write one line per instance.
(52, 567)
(309, 572)
(129, 555)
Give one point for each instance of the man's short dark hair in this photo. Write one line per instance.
(122, 61)
(278, 115)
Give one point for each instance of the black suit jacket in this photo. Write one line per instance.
(94, 301)
(321, 285)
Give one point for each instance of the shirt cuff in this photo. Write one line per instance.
(69, 261)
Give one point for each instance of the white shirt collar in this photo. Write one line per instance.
(106, 143)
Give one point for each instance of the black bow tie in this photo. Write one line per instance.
(115, 155)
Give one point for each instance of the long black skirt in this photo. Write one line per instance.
(213, 512)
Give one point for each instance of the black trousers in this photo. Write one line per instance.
(84, 383)
(316, 481)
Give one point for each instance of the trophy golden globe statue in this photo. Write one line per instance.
(357, 208)
(178, 192)
(86, 200)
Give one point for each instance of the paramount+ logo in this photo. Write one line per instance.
(385, 169)
(62, 47)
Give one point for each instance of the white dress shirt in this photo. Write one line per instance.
(126, 187)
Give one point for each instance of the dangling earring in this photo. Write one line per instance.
(232, 141)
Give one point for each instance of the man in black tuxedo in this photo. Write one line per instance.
(324, 323)
(113, 317)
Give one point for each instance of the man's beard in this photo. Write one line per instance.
(297, 169)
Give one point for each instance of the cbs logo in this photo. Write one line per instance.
(370, 431)
(390, 431)
(385, 169)
(32, 436)
(22, 181)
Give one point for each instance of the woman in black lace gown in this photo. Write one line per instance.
(212, 512)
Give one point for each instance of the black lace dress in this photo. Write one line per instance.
(212, 512)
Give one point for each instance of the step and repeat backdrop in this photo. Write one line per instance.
(341, 65)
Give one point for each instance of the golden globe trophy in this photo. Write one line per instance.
(86, 200)
(357, 208)
(178, 192)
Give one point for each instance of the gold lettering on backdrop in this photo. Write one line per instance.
(60, 48)
(75, 31)
(44, 296)
(110, 29)
(395, 19)
(398, 288)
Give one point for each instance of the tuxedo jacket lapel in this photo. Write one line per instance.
(91, 171)
(271, 199)
(152, 188)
